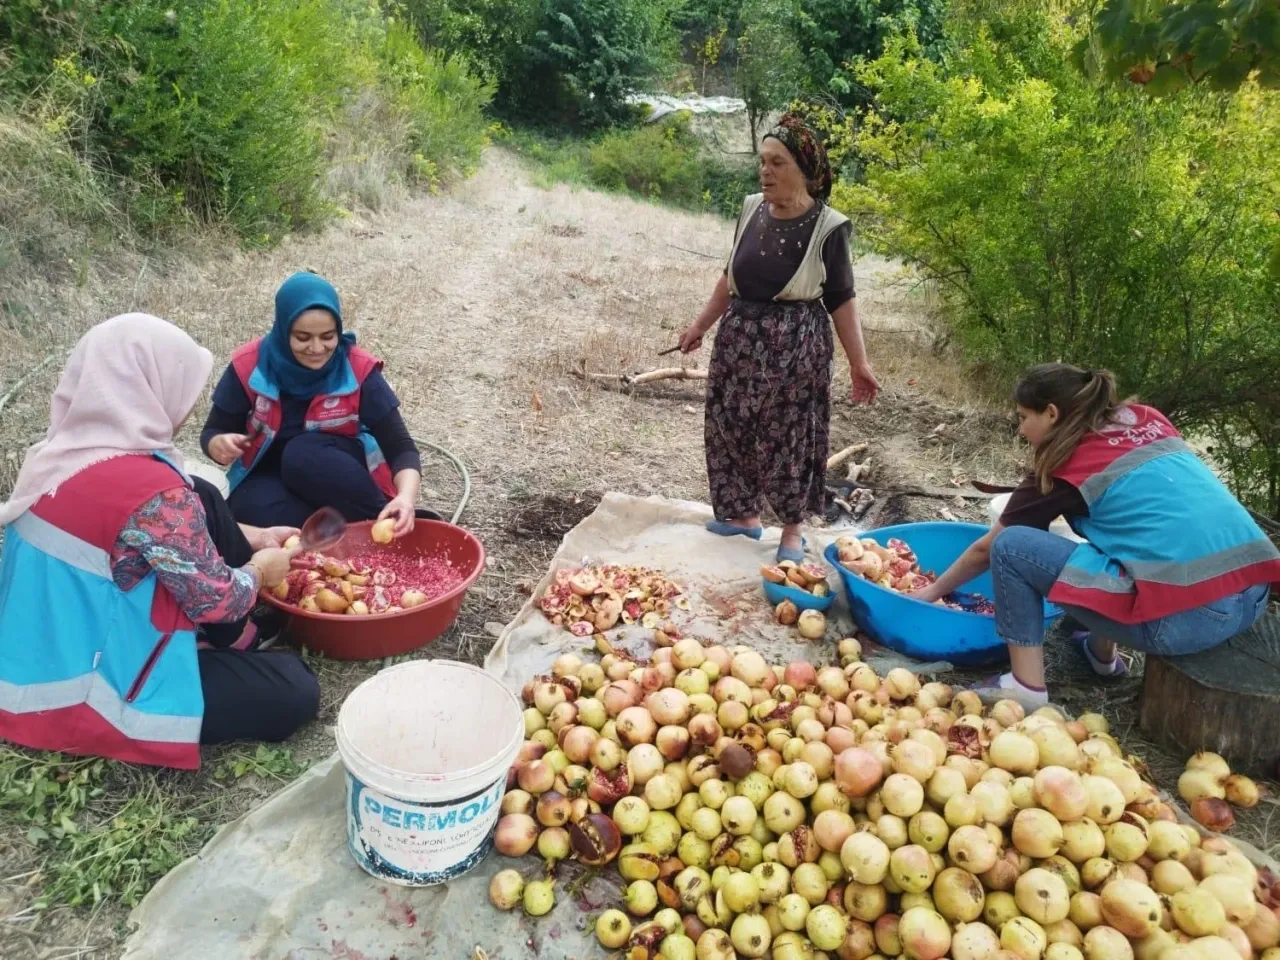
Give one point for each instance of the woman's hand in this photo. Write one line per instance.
(691, 339)
(227, 448)
(865, 384)
(402, 510)
(272, 565)
(929, 594)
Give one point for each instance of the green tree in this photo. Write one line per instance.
(835, 32)
(769, 66)
(490, 34)
(826, 34)
(1067, 218)
(1165, 46)
(587, 57)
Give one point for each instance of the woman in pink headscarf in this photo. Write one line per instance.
(125, 586)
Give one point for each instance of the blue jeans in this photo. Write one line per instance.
(1025, 562)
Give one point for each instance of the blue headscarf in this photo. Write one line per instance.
(302, 292)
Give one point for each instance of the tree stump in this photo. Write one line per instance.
(1226, 699)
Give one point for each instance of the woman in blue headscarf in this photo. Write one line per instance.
(303, 418)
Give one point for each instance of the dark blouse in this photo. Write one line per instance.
(771, 251)
(379, 413)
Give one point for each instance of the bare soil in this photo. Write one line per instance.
(486, 304)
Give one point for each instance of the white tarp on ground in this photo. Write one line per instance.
(660, 105)
(278, 883)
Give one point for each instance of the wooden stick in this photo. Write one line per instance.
(841, 456)
(23, 381)
(667, 373)
(639, 379)
(696, 253)
(941, 493)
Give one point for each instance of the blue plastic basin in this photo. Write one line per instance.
(922, 630)
(803, 599)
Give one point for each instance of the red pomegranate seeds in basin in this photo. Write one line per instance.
(368, 583)
(434, 576)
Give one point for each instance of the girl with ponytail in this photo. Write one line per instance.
(1171, 564)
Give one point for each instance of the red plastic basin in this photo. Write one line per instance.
(344, 637)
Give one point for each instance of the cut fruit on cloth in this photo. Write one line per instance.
(281, 882)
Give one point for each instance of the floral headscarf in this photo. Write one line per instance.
(803, 144)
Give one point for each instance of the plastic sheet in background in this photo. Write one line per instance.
(662, 105)
(279, 884)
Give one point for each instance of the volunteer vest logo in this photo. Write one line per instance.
(1147, 555)
(337, 413)
(1126, 427)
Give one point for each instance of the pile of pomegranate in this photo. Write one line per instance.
(809, 577)
(367, 584)
(1211, 790)
(893, 567)
(594, 599)
(799, 812)
(896, 568)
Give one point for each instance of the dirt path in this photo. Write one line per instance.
(483, 302)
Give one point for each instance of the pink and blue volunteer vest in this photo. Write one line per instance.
(86, 667)
(337, 412)
(1164, 535)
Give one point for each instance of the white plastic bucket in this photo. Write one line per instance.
(426, 746)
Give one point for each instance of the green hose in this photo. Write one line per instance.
(462, 469)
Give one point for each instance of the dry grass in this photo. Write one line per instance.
(483, 302)
(367, 154)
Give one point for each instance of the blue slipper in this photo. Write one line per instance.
(795, 556)
(722, 529)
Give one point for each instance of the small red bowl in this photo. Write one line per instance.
(344, 637)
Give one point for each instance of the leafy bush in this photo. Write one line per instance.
(725, 186)
(658, 160)
(662, 161)
(558, 64)
(490, 34)
(227, 110)
(1068, 219)
(834, 32)
(1166, 46)
(203, 101)
(587, 56)
(443, 102)
(810, 41)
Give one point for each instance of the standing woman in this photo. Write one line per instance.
(769, 385)
(305, 419)
(1172, 563)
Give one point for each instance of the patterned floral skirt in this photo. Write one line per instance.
(768, 409)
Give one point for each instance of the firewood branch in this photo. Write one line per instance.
(640, 379)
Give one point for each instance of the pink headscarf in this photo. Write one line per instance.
(127, 386)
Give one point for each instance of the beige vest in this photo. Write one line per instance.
(807, 282)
